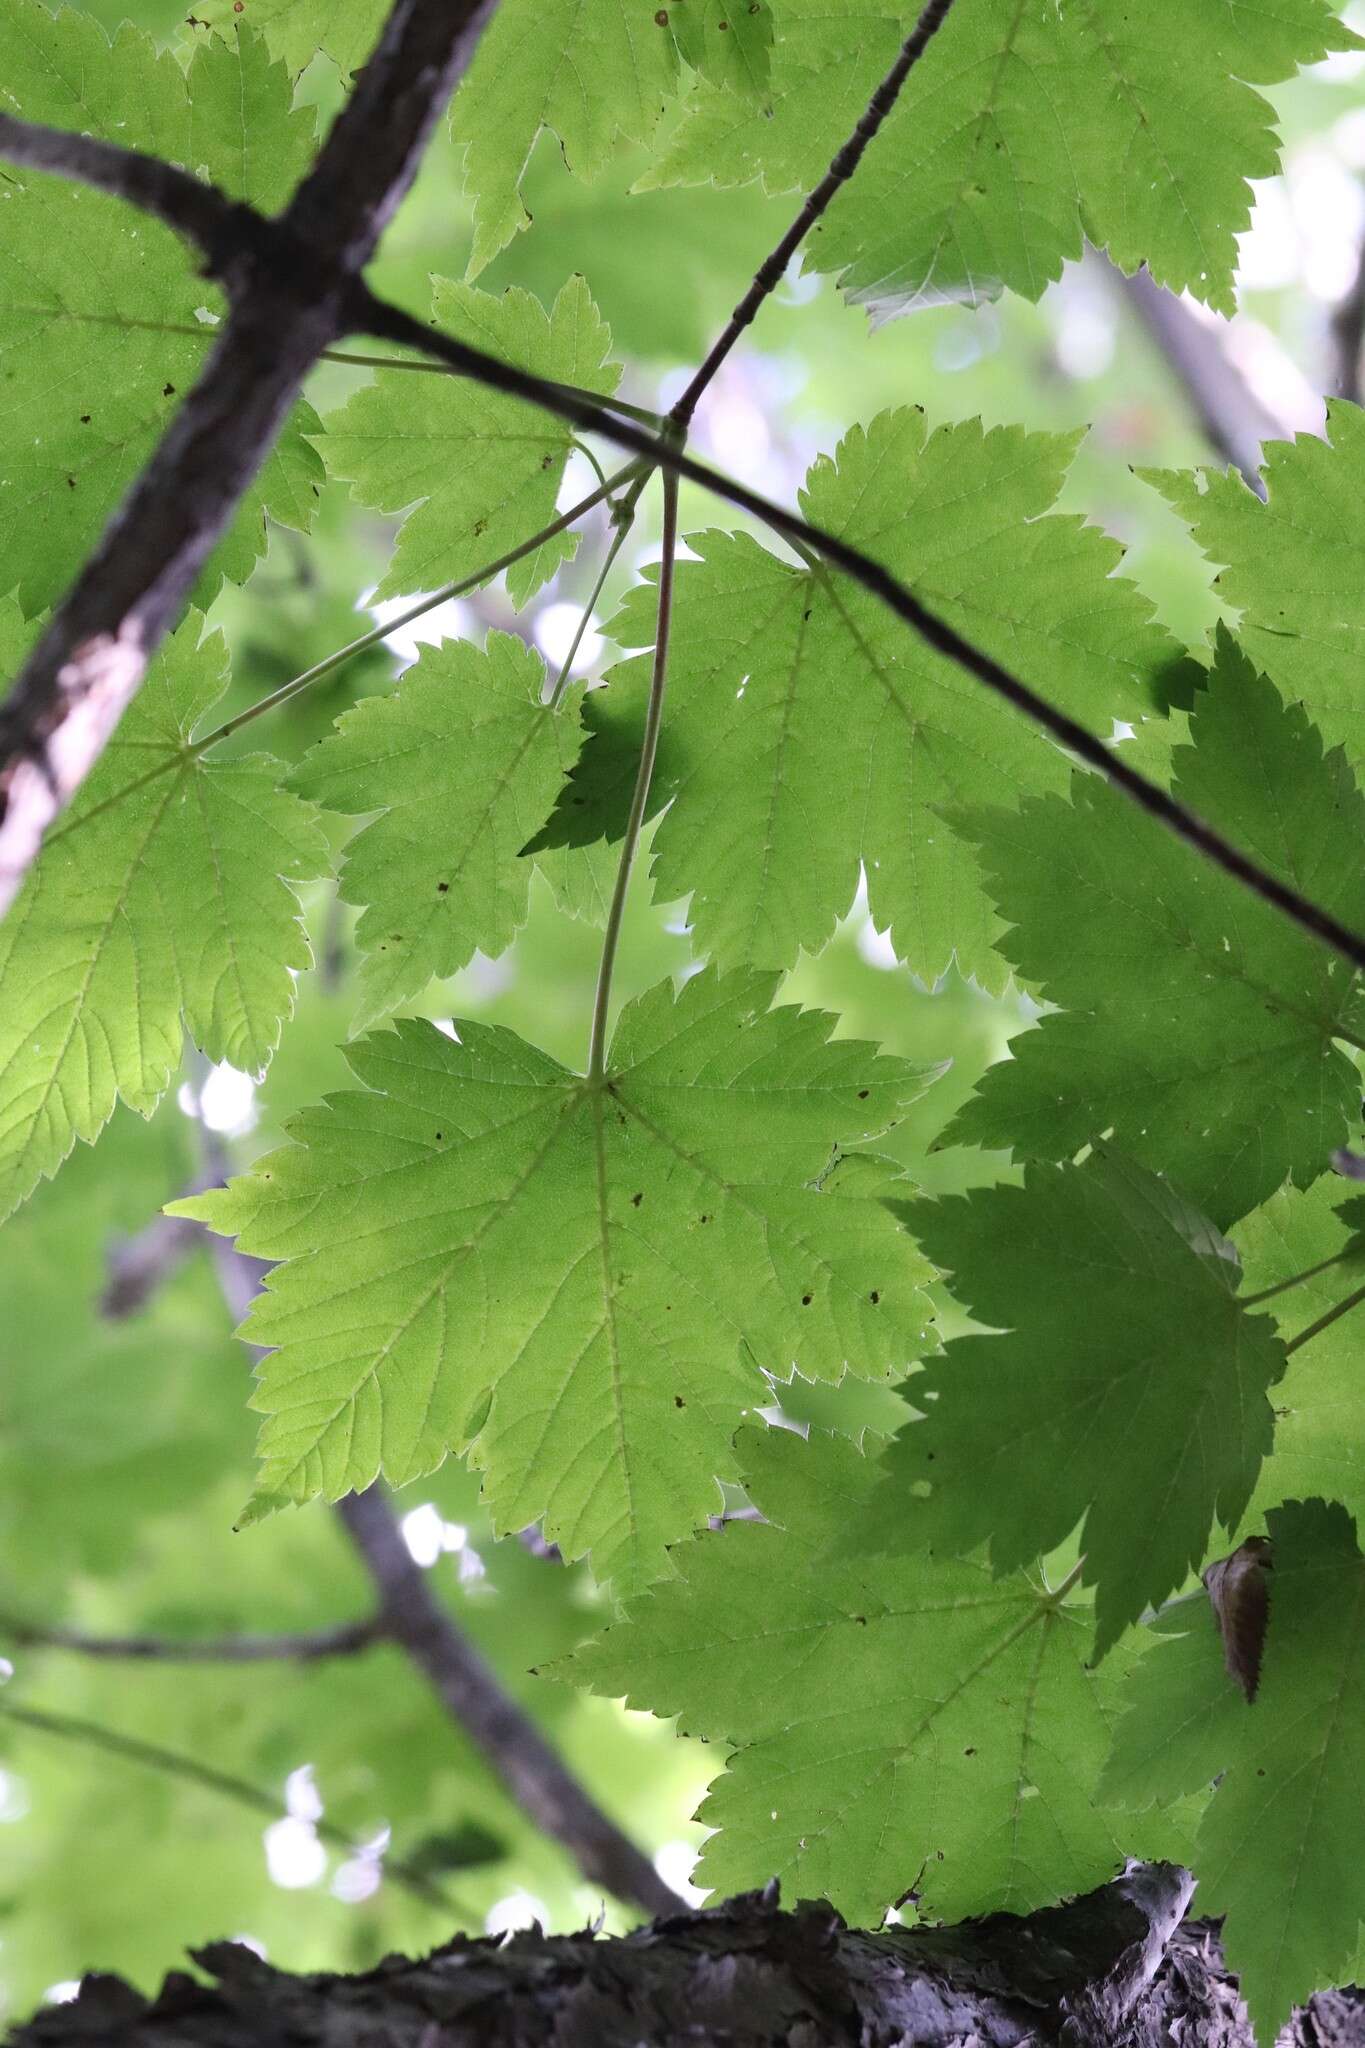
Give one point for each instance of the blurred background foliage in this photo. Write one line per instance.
(125, 1446)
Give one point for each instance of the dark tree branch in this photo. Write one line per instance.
(1234, 421)
(171, 1763)
(347, 1640)
(774, 266)
(388, 323)
(1115, 1969)
(499, 1728)
(76, 685)
(195, 209)
(503, 1732)
(288, 285)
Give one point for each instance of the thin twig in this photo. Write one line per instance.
(287, 284)
(1324, 1322)
(347, 1640)
(504, 1733)
(172, 1763)
(774, 266)
(331, 662)
(461, 588)
(110, 670)
(387, 321)
(623, 519)
(642, 413)
(644, 774)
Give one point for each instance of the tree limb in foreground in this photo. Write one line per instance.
(509, 1740)
(287, 284)
(1115, 1969)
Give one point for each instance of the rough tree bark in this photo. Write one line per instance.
(1119, 1968)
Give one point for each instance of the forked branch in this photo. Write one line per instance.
(305, 270)
(288, 285)
(388, 322)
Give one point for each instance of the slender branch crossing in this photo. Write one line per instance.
(331, 662)
(112, 663)
(937, 633)
(774, 267)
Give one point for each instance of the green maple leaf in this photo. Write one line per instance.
(1197, 1022)
(728, 44)
(105, 320)
(466, 739)
(595, 72)
(1292, 567)
(769, 821)
(896, 1719)
(105, 1425)
(578, 1280)
(1129, 1391)
(157, 907)
(1278, 1850)
(298, 30)
(1319, 1418)
(1021, 127)
(481, 470)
